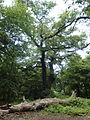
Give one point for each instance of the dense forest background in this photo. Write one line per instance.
(33, 44)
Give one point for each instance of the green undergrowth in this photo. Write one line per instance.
(57, 94)
(77, 106)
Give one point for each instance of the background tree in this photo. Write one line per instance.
(12, 52)
(53, 38)
(75, 76)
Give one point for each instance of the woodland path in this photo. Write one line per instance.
(40, 116)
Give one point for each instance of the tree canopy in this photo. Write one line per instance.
(32, 43)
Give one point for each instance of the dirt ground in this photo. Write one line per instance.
(40, 116)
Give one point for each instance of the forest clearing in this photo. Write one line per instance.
(41, 61)
(71, 108)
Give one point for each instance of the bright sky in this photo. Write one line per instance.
(55, 12)
(8, 2)
(58, 9)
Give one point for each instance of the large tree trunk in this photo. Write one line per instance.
(38, 104)
(43, 70)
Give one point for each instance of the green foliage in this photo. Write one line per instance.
(41, 8)
(75, 75)
(26, 31)
(83, 4)
(54, 93)
(77, 106)
(79, 102)
(12, 48)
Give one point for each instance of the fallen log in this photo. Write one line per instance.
(3, 112)
(38, 104)
(5, 107)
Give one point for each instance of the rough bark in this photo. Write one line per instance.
(35, 105)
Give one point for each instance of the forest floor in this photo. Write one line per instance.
(40, 116)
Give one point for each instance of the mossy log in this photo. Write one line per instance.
(37, 104)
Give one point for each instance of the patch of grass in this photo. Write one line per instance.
(15, 103)
(57, 94)
(78, 106)
(79, 102)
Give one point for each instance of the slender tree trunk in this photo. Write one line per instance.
(43, 64)
(78, 90)
(85, 87)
